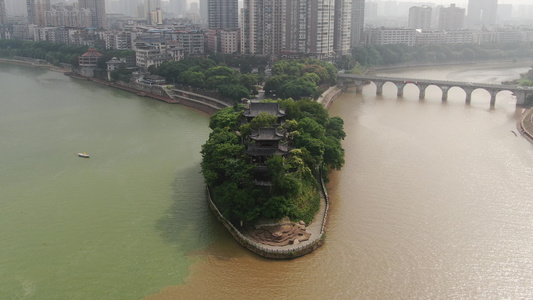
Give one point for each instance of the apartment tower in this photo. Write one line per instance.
(482, 12)
(358, 22)
(262, 26)
(342, 25)
(222, 14)
(3, 17)
(36, 11)
(97, 8)
(420, 17)
(451, 18)
(152, 12)
(309, 28)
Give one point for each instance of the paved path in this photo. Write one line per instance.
(526, 124)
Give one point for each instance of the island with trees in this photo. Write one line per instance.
(264, 162)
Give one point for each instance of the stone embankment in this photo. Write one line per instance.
(39, 63)
(525, 125)
(314, 234)
(173, 96)
(329, 96)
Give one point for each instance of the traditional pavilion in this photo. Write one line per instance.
(88, 62)
(272, 108)
(266, 142)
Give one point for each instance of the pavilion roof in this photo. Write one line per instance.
(267, 134)
(258, 107)
(92, 53)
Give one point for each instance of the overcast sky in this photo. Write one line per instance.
(464, 3)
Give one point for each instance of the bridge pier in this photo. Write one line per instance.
(521, 96)
(445, 90)
(468, 92)
(358, 86)
(493, 94)
(379, 87)
(400, 89)
(422, 93)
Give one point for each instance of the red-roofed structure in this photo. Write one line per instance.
(88, 62)
(90, 58)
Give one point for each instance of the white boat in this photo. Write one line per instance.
(82, 154)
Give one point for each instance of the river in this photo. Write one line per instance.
(434, 201)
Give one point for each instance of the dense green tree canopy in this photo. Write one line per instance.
(315, 140)
(203, 73)
(299, 78)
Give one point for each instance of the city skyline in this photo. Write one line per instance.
(464, 3)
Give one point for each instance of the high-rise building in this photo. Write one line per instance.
(451, 18)
(420, 17)
(155, 17)
(15, 7)
(152, 11)
(222, 14)
(342, 27)
(63, 15)
(358, 22)
(482, 12)
(36, 11)
(3, 18)
(97, 8)
(262, 26)
(309, 27)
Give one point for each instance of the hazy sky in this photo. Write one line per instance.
(464, 3)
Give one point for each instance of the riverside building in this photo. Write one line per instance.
(358, 22)
(451, 18)
(3, 17)
(36, 11)
(420, 17)
(482, 12)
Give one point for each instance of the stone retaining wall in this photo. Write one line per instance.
(266, 251)
(525, 125)
(329, 96)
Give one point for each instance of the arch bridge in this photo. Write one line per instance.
(346, 80)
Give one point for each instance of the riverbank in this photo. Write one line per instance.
(525, 125)
(38, 63)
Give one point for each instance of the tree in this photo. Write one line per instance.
(220, 71)
(227, 117)
(233, 91)
(224, 158)
(264, 119)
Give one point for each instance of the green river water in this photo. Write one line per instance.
(115, 226)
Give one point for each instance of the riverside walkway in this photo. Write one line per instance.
(525, 125)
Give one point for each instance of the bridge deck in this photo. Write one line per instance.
(462, 84)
